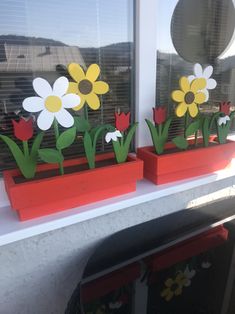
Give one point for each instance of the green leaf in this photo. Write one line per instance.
(36, 144)
(192, 128)
(129, 136)
(206, 131)
(26, 165)
(66, 138)
(51, 156)
(81, 124)
(158, 140)
(89, 150)
(166, 128)
(180, 142)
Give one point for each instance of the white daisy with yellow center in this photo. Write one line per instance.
(52, 102)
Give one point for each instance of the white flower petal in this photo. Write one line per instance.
(118, 133)
(206, 265)
(187, 283)
(211, 84)
(191, 78)
(223, 120)
(70, 100)
(198, 70)
(208, 72)
(189, 273)
(33, 104)
(64, 118)
(60, 86)
(45, 120)
(205, 91)
(42, 87)
(108, 137)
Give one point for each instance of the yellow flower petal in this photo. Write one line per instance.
(200, 98)
(93, 72)
(73, 88)
(177, 95)
(169, 296)
(193, 110)
(93, 101)
(181, 109)
(100, 87)
(169, 282)
(184, 84)
(178, 291)
(76, 72)
(80, 105)
(165, 292)
(198, 84)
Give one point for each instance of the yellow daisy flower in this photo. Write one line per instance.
(189, 96)
(174, 287)
(86, 86)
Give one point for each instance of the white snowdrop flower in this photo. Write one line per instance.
(206, 265)
(223, 120)
(189, 274)
(115, 305)
(112, 136)
(206, 74)
(52, 102)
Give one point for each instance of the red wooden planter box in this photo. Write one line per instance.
(45, 196)
(174, 166)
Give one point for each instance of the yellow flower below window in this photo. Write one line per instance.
(174, 287)
(86, 85)
(189, 96)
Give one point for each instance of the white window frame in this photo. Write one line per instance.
(146, 66)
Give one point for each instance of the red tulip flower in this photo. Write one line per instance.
(159, 114)
(122, 121)
(23, 130)
(225, 107)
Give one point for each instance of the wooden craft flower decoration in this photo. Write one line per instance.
(52, 102)
(159, 114)
(206, 74)
(189, 96)
(225, 107)
(122, 121)
(174, 287)
(23, 130)
(86, 85)
(112, 136)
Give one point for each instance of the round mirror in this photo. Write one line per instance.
(201, 30)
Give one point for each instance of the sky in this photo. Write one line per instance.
(84, 23)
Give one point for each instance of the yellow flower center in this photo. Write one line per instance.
(53, 103)
(85, 87)
(189, 98)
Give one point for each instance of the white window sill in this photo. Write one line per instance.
(11, 229)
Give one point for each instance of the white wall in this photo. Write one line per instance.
(38, 275)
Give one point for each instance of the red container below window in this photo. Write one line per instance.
(48, 195)
(173, 166)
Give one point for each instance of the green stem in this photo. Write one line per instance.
(195, 141)
(186, 122)
(26, 148)
(85, 112)
(57, 134)
(160, 129)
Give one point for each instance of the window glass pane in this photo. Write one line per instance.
(40, 38)
(195, 31)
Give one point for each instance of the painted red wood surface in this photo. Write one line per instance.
(46, 196)
(187, 249)
(110, 282)
(175, 166)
